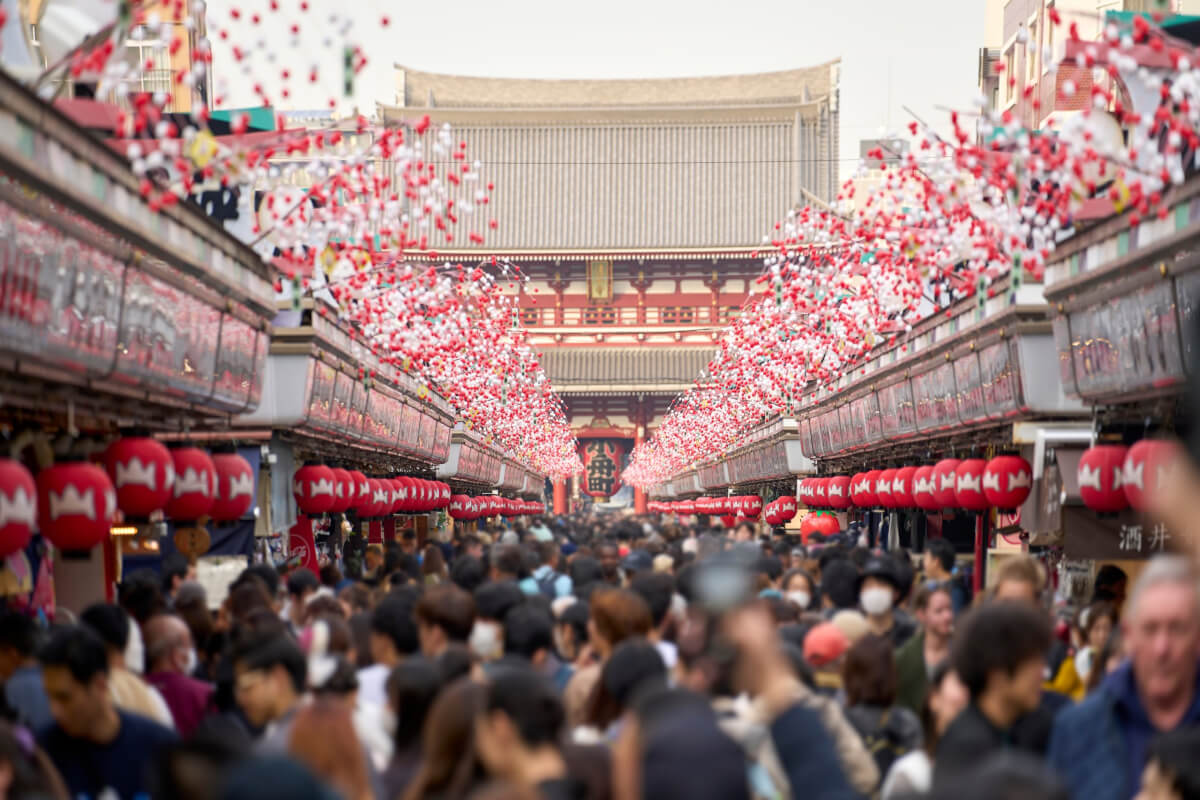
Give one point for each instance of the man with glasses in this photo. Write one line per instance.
(270, 673)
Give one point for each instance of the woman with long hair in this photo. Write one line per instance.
(412, 688)
(323, 739)
(450, 768)
(433, 566)
(614, 616)
(912, 774)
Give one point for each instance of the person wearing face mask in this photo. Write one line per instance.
(799, 589)
(129, 692)
(171, 657)
(493, 601)
(878, 588)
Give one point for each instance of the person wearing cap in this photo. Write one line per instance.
(824, 647)
(637, 561)
(878, 589)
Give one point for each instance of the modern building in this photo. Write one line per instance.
(635, 208)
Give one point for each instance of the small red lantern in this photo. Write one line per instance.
(313, 489)
(968, 485)
(235, 487)
(1145, 470)
(398, 494)
(837, 492)
(752, 506)
(786, 508)
(945, 480)
(1102, 478)
(883, 488)
(76, 505)
(820, 492)
(362, 491)
(459, 506)
(381, 498)
(195, 484)
(1007, 481)
(343, 491)
(806, 491)
(143, 473)
(862, 490)
(18, 506)
(902, 487)
(922, 491)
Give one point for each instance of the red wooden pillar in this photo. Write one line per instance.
(560, 496)
(639, 496)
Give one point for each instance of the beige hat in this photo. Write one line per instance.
(852, 623)
(663, 563)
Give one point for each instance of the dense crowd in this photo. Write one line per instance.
(612, 658)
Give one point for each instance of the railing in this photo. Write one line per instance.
(615, 316)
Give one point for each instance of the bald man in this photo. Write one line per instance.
(171, 659)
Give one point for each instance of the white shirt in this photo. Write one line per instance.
(911, 774)
(372, 685)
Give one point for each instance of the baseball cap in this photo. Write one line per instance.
(638, 561)
(852, 624)
(825, 644)
(882, 567)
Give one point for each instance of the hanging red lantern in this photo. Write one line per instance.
(686, 508)
(968, 485)
(883, 488)
(1102, 479)
(821, 492)
(459, 506)
(770, 516)
(837, 492)
(312, 486)
(1145, 470)
(862, 490)
(806, 491)
(362, 491)
(444, 494)
(344, 490)
(923, 483)
(786, 510)
(18, 506)
(752, 506)
(381, 498)
(945, 481)
(902, 487)
(1007, 481)
(195, 484)
(76, 505)
(729, 520)
(235, 487)
(143, 473)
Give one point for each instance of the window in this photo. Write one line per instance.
(677, 315)
(730, 313)
(531, 316)
(150, 59)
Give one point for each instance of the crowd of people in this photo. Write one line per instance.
(618, 658)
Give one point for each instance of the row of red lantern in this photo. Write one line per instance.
(682, 508)
(319, 489)
(971, 484)
(780, 511)
(1113, 477)
(748, 506)
(77, 501)
(464, 507)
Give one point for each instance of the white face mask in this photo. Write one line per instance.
(135, 653)
(485, 641)
(876, 601)
(799, 599)
(189, 666)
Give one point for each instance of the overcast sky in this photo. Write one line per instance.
(920, 53)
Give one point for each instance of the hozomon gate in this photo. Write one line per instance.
(635, 209)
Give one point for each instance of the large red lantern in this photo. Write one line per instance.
(945, 481)
(902, 487)
(195, 484)
(883, 488)
(1145, 470)
(922, 491)
(76, 505)
(1007, 481)
(235, 487)
(313, 488)
(862, 490)
(18, 506)
(362, 491)
(837, 492)
(143, 473)
(820, 492)
(1102, 479)
(968, 485)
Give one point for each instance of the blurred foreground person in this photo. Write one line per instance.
(944, 701)
(450, 767)
(129, 692)
(323, 739)
(24, 695)
(889, 731)
(1173, 769)
(26, 772)
(1100, 745)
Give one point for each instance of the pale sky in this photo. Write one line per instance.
(927, 47)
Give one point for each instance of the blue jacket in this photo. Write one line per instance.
(1099, 746)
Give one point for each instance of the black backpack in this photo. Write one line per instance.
(546, 584)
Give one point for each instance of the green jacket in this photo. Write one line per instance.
(912, 679)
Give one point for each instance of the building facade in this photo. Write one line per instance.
(635, 209)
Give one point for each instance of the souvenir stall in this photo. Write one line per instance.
(474, 468)
(119, 322)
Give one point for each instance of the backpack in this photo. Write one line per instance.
(547, 585)
(883, 740)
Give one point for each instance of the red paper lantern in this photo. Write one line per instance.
(752, 506)
(444, 494)
(883, 488)
(902, 487)
(862, 490)
(344, 490)
(18, 506)
(195, 484)
(922, 492)
(968, 485)
(381, 497)
(235, 487)
(821, 492)
(786, 509)
(1007, 481)
(770, 516)
(1102, 478)
(806, 491)
(362, 491)
(76, 505)
(459, 506)
(313, 488)
(686, 507)
(143, 473)
(1146, 467)
(945, 480)
(837, 492)
(729, 520)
